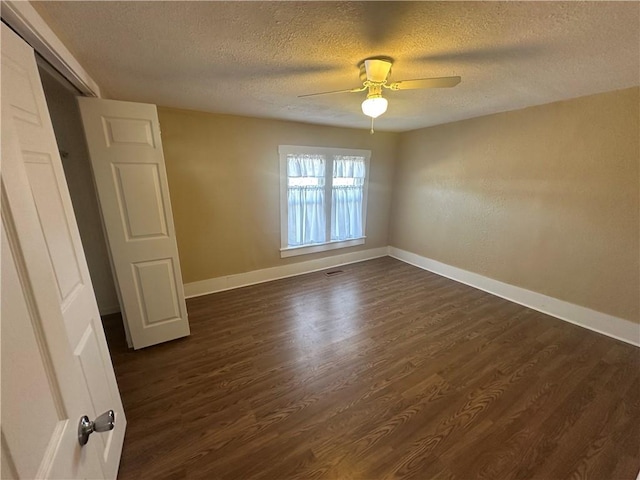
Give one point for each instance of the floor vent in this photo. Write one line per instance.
(333, 273)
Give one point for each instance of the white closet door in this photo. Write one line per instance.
(55, 361)
(128, 166)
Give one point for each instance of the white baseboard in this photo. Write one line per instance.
(603, 323)
(219, 284)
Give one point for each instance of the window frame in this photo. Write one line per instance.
(328, 153)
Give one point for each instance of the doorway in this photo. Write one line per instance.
(67, 125)
(112, 158)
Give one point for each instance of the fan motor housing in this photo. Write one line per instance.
(363, 70)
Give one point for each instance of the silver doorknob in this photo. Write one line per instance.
(104, 423)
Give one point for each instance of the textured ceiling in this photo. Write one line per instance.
(255, 58)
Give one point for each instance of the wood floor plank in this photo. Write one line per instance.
(382, 371)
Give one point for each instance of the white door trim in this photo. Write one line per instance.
(26, 22)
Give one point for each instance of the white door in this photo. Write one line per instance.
(128, 166)
(55, 361)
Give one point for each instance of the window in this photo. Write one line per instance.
(323, 198)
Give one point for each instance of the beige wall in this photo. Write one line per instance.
(544, 198)
(67, 125)
(223, 174)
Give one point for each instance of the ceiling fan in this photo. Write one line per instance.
(374, 74)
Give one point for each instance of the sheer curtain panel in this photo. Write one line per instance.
(306, 199)
(347, 197)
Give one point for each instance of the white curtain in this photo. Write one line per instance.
(348, 167)
(346, 197)
(305, 197)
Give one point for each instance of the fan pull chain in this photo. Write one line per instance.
(371, 132)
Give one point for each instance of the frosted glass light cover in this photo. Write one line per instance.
(374, 107)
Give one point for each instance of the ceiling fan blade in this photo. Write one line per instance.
(441, 82)
(351, 90)
(377, 69)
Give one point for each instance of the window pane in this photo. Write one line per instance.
(305, 199)
(347, 197)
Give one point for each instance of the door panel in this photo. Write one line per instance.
(128, 131)
(156, 291)
(140, 200)
(47, 196)
(57, 293)
(44, 426)
(128, 166)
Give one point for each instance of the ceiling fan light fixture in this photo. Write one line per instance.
(374, 106)
(374, 74)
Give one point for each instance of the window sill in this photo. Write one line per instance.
(321, 247)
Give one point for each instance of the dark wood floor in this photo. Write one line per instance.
(382, 371)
